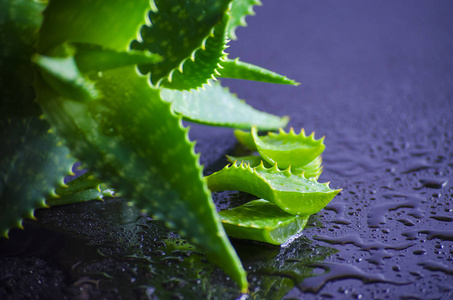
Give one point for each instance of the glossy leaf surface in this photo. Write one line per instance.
(262, 221)
(215, 105)
(292, 193)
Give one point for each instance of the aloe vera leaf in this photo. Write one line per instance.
(111, 24)
(239, 10)
(234, 68)
(19, 24)
(32, 164)
(81, 189)
(178, 29)
(192, 74)
(131, 139)
(294, 194)
(262, 221)
(63, 75)
(64, 72)
(288, 149)
(68, 22)
(312, 169)
(215, 105)
(95, 58)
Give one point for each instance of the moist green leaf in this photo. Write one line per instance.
(294, 194)
(192, 74)
(239, 10)
(262, 221)
(312, 169)
(241, 70)
(81, 189)
(178, 29)
(19, 24)
(215, 105)
(32, 164)
(131, 139)
(288, 149)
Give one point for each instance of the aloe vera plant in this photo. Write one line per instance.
(107, 83)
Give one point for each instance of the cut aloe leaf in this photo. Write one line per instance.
(246, 139)
(288, 149)
(32, 164)
(81, 189)
(239, 10)
(240, 70)
(294, 194)
(215, 105)
(262, 221)
(312, 169)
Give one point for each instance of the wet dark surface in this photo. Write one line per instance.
(377, 81)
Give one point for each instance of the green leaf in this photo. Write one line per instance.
(262, 221)
(64, 77)
(194, 73)
(294, 194)
(301, 152)
(32, 165)
(19, 25)
(111, 24)
(246, 139)
(215, 105)
(241, 70)
(288, 149)
(177, 31)
(95, 58)
(239, 10)
(64, 72)
(81, 189)
(131, 139)
(312, 169)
